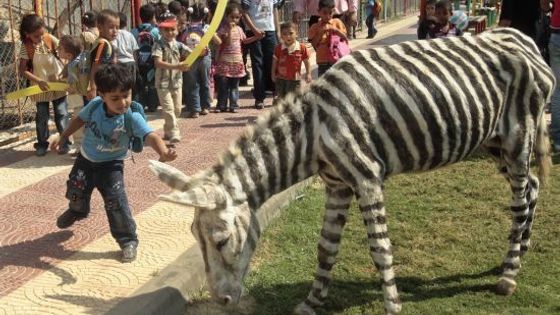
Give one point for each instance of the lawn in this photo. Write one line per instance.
(449, 230)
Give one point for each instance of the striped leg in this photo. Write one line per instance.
(532, 196)
(518, 173)
(338, 201)
(373, 212)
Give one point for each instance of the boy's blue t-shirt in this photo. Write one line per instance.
(105, 137)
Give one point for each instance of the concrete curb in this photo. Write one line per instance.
(168, 293)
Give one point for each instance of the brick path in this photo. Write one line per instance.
(45, 270)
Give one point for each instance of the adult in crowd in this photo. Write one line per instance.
(521, 14)
(261, 17)
(554, 51)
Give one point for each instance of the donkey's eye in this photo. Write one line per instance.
(222, 243)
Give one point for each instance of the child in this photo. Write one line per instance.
(125, 45)
(196, 81)
(146, 34)
(90, 33)
(39, 64)
(428, 23)
(103, 52)
(70, 48)
(100, 162)
(168, 54)
(286, 63)
(229, 62)
(320, 33)
(443, 28)
(372, 11)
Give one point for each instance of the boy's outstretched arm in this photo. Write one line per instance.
(75, 124)
(165, 154)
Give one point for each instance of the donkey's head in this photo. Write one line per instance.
(225, 230)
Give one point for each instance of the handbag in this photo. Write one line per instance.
(338, 48)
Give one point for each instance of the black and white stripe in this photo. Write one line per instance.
(409, 107)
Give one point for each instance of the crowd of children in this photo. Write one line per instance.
(115, 75)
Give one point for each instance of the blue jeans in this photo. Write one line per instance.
(370, 23)
(554, 49)
(196, 85)
(107, 177)
(262, 52)
(42, 119)
(228, 88)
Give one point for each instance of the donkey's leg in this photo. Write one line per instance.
(373, 212)
(532, 196)
(518, 174)
(338, 201)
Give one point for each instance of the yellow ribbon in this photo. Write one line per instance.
(205, 40)
(35, 89)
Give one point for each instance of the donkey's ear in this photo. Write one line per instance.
(206, 196)
(173, 177)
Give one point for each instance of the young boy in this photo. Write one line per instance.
(103, 52)
(429, 21)
(286, 63)
(443, 27)
(168, 54)
(319, 33)
(104, 147)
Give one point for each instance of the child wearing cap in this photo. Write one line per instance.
(168, 54)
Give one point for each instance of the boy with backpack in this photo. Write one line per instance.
(146, 34)
(373, 9)
(112, 122)
(103, 52)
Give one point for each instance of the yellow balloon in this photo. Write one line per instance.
(205, 40)
(33, 90)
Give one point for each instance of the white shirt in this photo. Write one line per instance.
(125, 44)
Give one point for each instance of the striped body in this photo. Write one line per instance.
(409, 107)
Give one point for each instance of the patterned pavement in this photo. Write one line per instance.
(44, 270)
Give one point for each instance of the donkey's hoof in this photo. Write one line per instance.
(303, 309)
(506, 286)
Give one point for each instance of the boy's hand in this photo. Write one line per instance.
(308, 77)
(168, 155)
(43, 85)
(91, 93)
(183, 67)
(52, 77)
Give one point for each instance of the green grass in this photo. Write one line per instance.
(449, 230)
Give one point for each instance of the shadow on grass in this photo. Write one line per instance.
(282, 298)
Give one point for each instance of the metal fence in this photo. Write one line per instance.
(64, 17)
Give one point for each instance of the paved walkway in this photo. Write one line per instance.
(44, 270)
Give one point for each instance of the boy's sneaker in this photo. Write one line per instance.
(174, 140)
(233, 110)
(129, 253)
(193, 115)
(67, 218)
(204, 112)
(40, 151)
(259, 105)
(64, 150)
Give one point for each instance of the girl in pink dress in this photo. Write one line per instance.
(229, 65)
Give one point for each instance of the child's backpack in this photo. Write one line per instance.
(338, 48)
(144, 58)
(79, 72)
(136, 144)
(377, 8)
(192, 36)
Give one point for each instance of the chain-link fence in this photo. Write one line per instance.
(64, 17)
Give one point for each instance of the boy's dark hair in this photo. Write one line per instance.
(444, 4)
(326, 4)
(160, 9)
(431, 2)
(106, 15)
(29, 24)
(197, 11)
(123, 20)
(288, 25)
(232, 6)
(147, 13)
(113, 78)
(175, 7)
(89, 19)
(72, 44)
